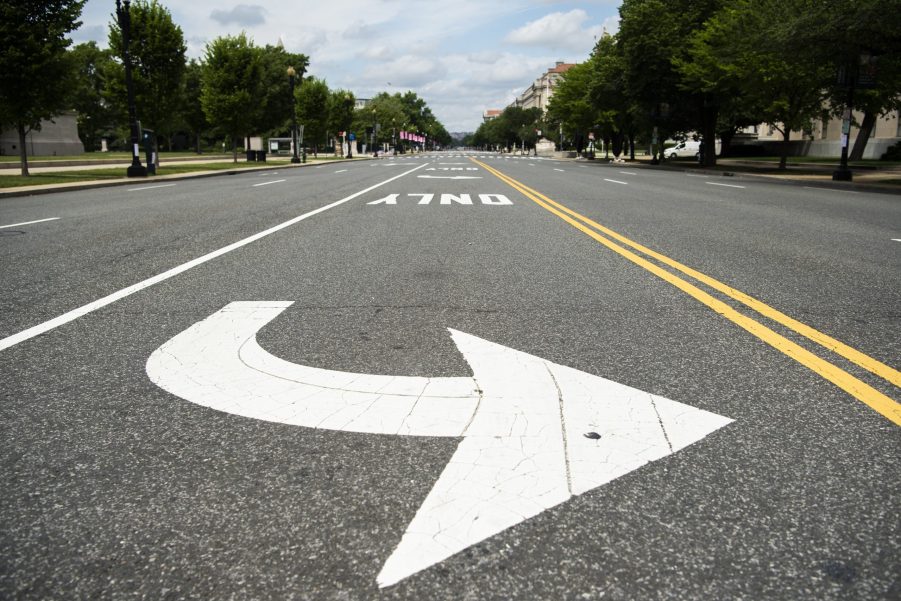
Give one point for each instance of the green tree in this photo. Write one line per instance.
(231, 84)
(193, 117)
(758, 50)
(653, 36)
(36, 73)
(96, 117)
(863, 28)
(313, 111)
(157, 50)
(571, 106)
(272, 104)
(341, 111)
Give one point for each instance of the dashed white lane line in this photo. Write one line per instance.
(896, 239)
(725, 185)
(616, 181)
(340, 170)
(151, 187)
(628, 173)
(267, 183)
(74, 314)
(28, 222)
(555, 169)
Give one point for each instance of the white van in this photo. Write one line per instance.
(689, 148)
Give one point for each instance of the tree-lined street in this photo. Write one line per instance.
(572, 411)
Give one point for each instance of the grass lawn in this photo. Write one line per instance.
(101, 156)
(82, 175)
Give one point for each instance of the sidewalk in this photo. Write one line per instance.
(240, 167)
(876, 177)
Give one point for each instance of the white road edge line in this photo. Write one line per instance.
(830, 189)
(28, 222)
(616, 181)
(278, 181)
(74, 314)
(151, 187)
(628, 173)
(725, 185)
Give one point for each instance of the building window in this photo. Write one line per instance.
(898, 125)
(770, 130)
(825, 129)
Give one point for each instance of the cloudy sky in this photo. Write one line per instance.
(461, 56)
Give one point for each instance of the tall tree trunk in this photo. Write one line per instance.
(197, 143)
(235, 149)
(786, 139)
(863, 135)
(23, 151)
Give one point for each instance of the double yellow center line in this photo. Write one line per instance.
(862, 391)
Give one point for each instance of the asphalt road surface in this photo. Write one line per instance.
(597, 381)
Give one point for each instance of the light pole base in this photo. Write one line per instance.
(136, 171)
(842, 175)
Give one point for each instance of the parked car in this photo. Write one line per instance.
(689, 148)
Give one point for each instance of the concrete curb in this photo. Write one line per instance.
(91, 184)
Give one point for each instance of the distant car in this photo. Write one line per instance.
(689, 148)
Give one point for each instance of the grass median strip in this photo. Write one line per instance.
(876, 400)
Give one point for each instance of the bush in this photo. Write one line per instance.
(892, 154)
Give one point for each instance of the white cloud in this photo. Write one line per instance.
(244, 15)
(557, 30)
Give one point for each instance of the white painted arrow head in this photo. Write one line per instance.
(542, 433)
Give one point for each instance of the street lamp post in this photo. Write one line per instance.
(351, 137)
(375, 125)
(136, 169)
(291, 74)
(393, 136)
(858, 73)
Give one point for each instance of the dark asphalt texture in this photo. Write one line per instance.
(114, 489)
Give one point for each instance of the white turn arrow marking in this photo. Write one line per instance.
(535, 433)
(448, 177)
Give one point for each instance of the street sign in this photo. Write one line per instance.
(534, 433)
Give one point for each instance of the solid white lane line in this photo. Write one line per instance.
(628, 173)
(616, 181)
(28, 222)
(74, 314)
(725, 185)
(340, 170)
(150, 187)
(278, 181)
